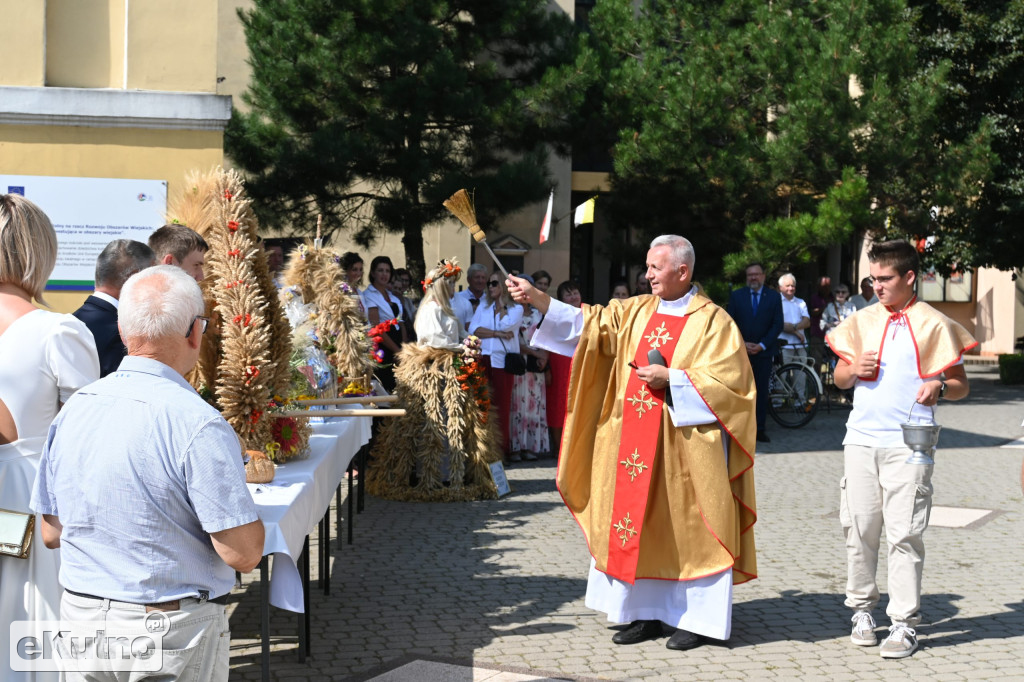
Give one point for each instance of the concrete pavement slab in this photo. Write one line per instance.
(499, 585)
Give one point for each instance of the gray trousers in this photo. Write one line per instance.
(193, 643)
(878, 486)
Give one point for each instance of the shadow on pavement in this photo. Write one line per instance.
(427, 579)
(815, 617)
(952, 631)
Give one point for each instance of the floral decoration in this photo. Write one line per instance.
(449, 269)
(376, 335)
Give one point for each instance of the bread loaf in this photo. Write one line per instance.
(259, 468)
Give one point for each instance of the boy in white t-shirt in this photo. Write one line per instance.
(900, 357)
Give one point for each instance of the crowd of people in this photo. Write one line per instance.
(164, 522)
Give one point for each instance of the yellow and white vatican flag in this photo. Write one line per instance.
(584, 212)
(545, 227)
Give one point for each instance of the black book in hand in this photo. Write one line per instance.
(655, 357)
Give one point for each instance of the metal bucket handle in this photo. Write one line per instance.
(911, 413)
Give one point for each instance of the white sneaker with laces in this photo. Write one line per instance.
(863, 629)
(901, 642)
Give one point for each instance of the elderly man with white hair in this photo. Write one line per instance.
(142, 487)
(657, 454)
(795, 320)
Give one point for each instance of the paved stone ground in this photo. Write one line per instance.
(499, 585)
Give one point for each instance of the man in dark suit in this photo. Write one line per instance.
(118, 261)
(758, 313)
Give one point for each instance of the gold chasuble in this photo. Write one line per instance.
(939, 342)
(657, 501)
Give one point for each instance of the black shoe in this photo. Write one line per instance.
(684, 641)
(762, 437)
(639, 631)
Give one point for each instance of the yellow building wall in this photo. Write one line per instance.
(996, 311)
(106, 153)
(85, 43)
(172, 45)
(132, 44)
(22, 53)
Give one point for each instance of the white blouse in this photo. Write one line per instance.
(372, 298)
(437, 329)
(486, 318)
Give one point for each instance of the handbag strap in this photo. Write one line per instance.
(494, 314)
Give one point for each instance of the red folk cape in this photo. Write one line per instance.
(939, 342)
(700, 508)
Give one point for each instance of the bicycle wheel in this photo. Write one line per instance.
(793, 395)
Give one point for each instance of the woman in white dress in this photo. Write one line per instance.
(528, 431)
(44, 358)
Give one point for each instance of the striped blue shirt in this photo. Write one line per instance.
(140, 470)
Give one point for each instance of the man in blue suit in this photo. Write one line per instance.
(119, 260)
(758, 313)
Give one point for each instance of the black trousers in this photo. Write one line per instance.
(762, 366)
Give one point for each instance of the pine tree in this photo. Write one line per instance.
(746, 125)
(983, 41)
(373, 113)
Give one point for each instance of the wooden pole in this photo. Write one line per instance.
(343, 413)
(360, 400)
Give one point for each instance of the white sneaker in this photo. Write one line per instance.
(901, 642)
(863, 629)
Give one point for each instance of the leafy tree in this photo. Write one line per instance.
(983, 41)
(372, 112)
(756, 127)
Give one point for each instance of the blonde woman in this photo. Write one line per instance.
(44, 358)
(496, 322)
(436, 324)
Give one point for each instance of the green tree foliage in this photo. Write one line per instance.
(983, 41)
(372, 112)
(751, 127)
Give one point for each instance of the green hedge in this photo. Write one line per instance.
(1011, 368)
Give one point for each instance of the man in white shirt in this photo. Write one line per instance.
(795, 319)
(866, 296)
(900, 358)
(465, 302)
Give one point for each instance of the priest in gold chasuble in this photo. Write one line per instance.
(656, 462)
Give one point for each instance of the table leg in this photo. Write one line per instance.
(350, 512)
(325, 552)
(337, 512)
(363, 456)
(265, 619)
(303, 625)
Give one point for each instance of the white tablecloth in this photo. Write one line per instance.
(294, 502)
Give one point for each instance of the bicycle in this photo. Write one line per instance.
(794, 392)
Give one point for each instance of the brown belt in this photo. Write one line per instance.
(174, 605)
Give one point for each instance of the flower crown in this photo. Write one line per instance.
(447, 269)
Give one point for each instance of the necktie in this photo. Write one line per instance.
(757, 294)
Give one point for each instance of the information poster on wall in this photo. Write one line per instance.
(89, 213)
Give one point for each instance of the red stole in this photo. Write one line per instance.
(641, 433)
